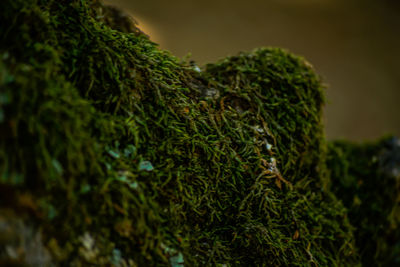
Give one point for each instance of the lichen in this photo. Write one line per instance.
(131, 157)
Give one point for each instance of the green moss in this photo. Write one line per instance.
(366, 178)
(124, 155)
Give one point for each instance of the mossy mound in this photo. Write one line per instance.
(114, 152)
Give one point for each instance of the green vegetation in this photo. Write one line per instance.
(367, 179)
(117, 153)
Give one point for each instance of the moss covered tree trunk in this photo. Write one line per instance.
(116, 153)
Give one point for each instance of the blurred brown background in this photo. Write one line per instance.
(353, 44)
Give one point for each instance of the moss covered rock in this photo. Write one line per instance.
(114, 152)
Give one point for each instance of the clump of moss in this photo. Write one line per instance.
(280, 97)
(366, 177)
(122, 155)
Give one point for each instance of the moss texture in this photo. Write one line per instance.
(114, 152)
(366, 178)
